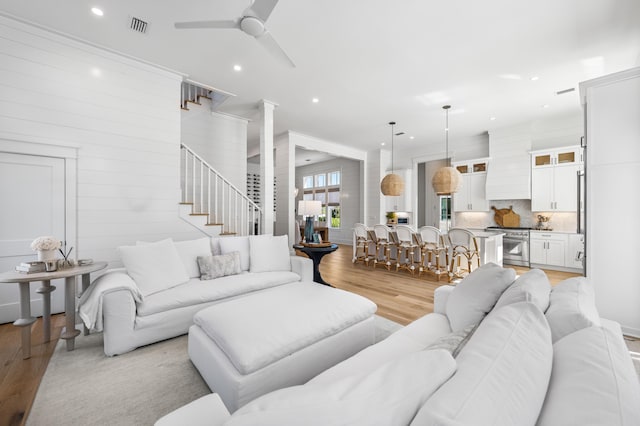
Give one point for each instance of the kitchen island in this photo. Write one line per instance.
(489, 245)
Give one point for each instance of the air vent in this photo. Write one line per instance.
(399, 134)
(138, 25)
(562, 92)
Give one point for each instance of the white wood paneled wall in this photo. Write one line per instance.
(123, 116)
(221, 140)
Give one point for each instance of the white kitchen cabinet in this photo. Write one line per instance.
(546, 248)
(554, 179)
(401, 203)
(472, 194)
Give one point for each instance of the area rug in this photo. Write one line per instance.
(84, 387)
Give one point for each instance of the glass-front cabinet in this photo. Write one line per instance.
(554, 175)
(471, 197)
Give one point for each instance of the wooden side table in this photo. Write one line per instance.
(69, 333)
(316, 254)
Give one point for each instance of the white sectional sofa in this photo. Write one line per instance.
(494, 352)
(160, 289)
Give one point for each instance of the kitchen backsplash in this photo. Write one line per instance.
(560, 221)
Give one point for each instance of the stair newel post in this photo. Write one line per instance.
(235, 205)
(201, 187)
(193, 179)
(210, 217)
(215, 200)
(185, 193)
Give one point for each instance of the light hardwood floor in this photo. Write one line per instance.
(400, 297)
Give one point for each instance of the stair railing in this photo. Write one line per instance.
(213, 195)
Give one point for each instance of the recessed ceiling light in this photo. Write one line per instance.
(315, 100)
(96, 11)
(96, 72)
(535, 78)
(492, 119)
(545, 106)
(412, 137)
(382, 143)
(237, 67)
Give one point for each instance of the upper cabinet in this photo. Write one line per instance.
(472, 194)
(554, 179)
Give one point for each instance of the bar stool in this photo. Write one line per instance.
(433, 251)
(462, 244)
(383, 246)
(361, 244)
(406, 249)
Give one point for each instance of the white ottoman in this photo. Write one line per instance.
(276, 338)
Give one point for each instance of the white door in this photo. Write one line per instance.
(32, 190)
(542, 189)
(478, 192)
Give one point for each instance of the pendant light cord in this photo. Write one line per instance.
(392, 123)
(446, 134)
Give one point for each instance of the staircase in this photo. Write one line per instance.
(213, 204)
(209, 201)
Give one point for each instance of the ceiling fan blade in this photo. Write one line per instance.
(261, 9)
(207, 24)
(271, 45)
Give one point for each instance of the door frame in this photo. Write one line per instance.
(68, 153)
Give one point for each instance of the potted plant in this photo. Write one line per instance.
(392, 219)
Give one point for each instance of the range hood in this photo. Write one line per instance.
(509, 173)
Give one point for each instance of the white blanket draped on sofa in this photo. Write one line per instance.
(90, 305)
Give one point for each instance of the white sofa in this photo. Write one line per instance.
(539, 356)
(130, 317)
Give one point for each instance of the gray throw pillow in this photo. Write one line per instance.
(219, 266)
(454, 342)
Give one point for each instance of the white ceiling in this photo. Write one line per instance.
(370, 62)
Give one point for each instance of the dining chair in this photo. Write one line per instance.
(383, 246)
(434, 253)
(463, 245)
(406, 249)
(361, 244)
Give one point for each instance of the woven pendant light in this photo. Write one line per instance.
(446, 180)
(392, 184)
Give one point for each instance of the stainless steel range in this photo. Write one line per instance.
(515, 245)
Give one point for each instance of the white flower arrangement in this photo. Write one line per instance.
(45, 243)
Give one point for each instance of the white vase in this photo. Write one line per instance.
(44, 255)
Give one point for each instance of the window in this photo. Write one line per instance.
(325, 187)
(307, 182)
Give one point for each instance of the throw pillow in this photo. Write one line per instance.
(572, 307)
(454, 342)
(154, 267)
(502, 374)
(189, 251)
(592, 381)
(391, 394)
(239, 244)
(219, 266)
(532, 287)
(269, 253)
(474, 296)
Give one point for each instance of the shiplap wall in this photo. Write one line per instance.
(123, 116)
(221, 140)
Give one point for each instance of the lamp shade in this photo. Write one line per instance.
(446, 180)
(392, 185)
(309, 207)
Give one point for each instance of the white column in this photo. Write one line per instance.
(266, 164)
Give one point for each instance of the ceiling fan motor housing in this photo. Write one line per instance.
(252, 26)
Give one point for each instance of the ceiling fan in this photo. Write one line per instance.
(252, 23)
